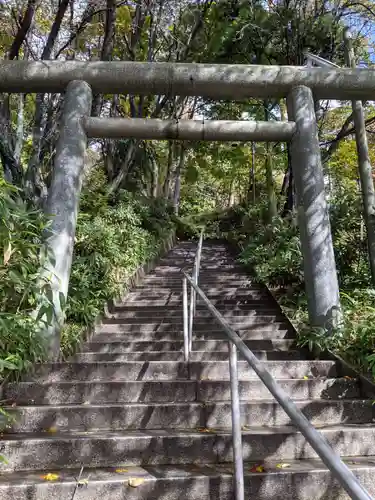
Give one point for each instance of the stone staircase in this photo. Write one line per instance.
(145, 425)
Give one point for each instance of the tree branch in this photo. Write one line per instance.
(23, 29)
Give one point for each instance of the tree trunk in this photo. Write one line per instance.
(231, 194)
(288, 188)
(35, 186)
(19, 131)
(364, 163)
(251, 194)
(177, 186)
(120, 177)
(272, 202)
(12, 171)
(107, 48)
(23, 29)
(155, 178)
(167, 181)
(48, 48)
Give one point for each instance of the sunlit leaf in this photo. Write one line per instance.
(134, 482)
(7, 253)
(50, 477)
(282, 466)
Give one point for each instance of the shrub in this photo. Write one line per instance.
(21, 288)
(114, 236)
(112, 241)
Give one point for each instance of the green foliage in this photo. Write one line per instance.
(114, 237)
(350, 242)
(216, 224)
(21, 288)
(272, 252)
(71, 336)
(355, 340)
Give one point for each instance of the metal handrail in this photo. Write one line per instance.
(333, 461)
(189, 309)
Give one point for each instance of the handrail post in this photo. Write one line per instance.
(186, 318)
(197, 266)
(191, 314)
(236, 424)
(193, 293)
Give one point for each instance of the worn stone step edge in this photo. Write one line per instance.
(302, 480)
(108, 391)
(166, 370)
(111, 333)
(198, 324)
(201, 315)
(182, 415)
(237, 310)
(92, 357)
(170, 446)
(177, 345)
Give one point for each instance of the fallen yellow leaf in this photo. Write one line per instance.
(257, 468)
(119, 471)
(282, 466)
(134, 482)
(50, 477)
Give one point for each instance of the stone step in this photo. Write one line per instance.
(216, 262)
(92, 357)
(169, 370)
(204, 284)
(228, 296)
(198, 345)
(143, 314)
(142, 308)
(112, 391)
(209, 290)
(173, 447)
(303, 480)
(238, 321)
(208, 270)
(206, 273)
(168, 332)
(183, 415)
(205, 278)
(199, 322)
(175, 302)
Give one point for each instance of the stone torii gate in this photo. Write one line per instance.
(300, 85)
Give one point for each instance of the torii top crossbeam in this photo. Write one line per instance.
(208, 80)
